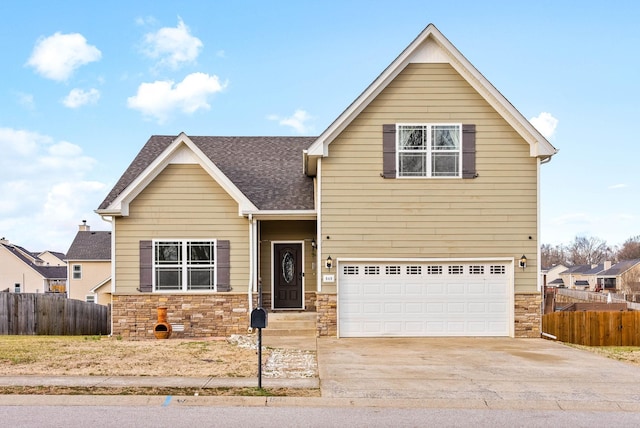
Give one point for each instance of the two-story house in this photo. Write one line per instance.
(415, 213)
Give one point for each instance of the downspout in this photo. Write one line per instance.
(539, 232)
(109, 219)
(251, 261)
(319, 225)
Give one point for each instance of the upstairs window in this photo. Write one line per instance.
(424, 150)
(77, 271)
(429, 150)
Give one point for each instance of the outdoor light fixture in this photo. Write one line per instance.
(328, 263)
(523, 262)
(313, 243)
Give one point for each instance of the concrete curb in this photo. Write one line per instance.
(235, 401)
(160, 382)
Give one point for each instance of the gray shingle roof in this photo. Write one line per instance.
(90, 245)
(267, 170)
(48, 272)
(620, 268)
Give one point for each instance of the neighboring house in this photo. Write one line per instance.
(583, 277)
(623, 277)
(89, 265)
(52, 258)
(551, 275)
(21, 271)
(407, 216)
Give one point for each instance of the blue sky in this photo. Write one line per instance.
(84, 84)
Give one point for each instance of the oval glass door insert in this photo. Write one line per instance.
(288, 267)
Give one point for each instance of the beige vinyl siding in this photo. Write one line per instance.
(104, 293)
(93, 273)
(182, 202)
(13, 271)
(492, 215)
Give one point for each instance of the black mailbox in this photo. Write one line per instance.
(258, 318)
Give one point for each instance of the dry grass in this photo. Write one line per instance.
(203, 392)
(627, 354)
(104, 356)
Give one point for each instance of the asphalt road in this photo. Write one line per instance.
(283, 417)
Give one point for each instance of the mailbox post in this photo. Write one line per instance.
(259, 321)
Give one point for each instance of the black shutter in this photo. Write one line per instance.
(469, 151)
(146, 266)
(223, 265)
(389, 151)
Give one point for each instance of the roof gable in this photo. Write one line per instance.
(432, 47)
(260, 173)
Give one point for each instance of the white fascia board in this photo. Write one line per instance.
(95, 289)
(120, 205)
(432, 47)
(282, 215)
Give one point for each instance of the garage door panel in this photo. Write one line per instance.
(393, 308)
(413, 299)
(372, 308)
(477, 308)
(455, 288)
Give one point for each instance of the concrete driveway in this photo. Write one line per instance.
(476, 373)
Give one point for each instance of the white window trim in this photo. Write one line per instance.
(428, 150)
(184, 288)
(73, 271)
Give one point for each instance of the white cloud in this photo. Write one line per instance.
(573, 219)
(172, 46)
(64, 200)
(26, 100)
(545, 123)
(45, 193)
(617, 186)
(298, 121)
(79, 97)
(19, 142)
(57, 57)
(162, 97)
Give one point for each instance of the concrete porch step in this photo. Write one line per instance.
(291, 324)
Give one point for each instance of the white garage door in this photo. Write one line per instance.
(425, 299)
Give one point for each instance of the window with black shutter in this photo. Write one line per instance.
(426, 150)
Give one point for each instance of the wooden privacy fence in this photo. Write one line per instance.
(591, 328)
(51, 314)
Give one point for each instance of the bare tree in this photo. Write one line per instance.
(630, 249)
(588, 251)
(551, 256)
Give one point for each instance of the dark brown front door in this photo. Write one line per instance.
(287, 276)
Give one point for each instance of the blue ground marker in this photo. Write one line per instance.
(166, 401)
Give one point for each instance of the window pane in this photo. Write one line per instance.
(413, 164)
(412, 138)
(201, 253)
(168, 278)
(445, 164)
(168, 252)
(445, 137)
(200, 278)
